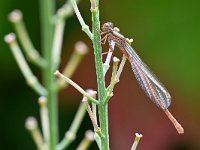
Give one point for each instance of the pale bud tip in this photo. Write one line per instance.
(138, 135)
(61, 12)
(90, 135)
(129, 40)
(91, 92)
(42, 100)
(116, 29)
(15, 16)
(9, 38)
(70, 135)
(31, 123)
(115, 59)
(81, 48)
(56, 72)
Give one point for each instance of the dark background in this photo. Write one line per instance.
(166, 35)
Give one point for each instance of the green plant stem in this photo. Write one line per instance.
(47, 9)
(103, 107)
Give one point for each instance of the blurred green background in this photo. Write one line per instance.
(167, 37)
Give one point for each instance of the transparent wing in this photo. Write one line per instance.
(153, 88)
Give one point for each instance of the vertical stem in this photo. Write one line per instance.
(47, 8)
(103, 108)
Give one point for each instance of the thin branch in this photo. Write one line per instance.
(114, 79)
(44, 118)
(70, 135)
(106, 65)
(58, 38)
(87, 140)
(136, 141)
(94, 111)
(67, 9)
(31, 125)
(85, 27)
(93, 119)
(76, 86)
(80, 50)
(17, 19)
(32, 81)
(121, 67)
(123, 61)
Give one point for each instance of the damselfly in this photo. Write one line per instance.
(153, 88)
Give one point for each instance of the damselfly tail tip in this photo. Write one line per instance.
(177, 125)
(179, 128)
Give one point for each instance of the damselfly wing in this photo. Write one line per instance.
(153, 88)
(150, 84)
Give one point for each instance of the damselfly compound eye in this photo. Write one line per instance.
(107, 26)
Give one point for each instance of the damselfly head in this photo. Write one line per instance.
(107, 26)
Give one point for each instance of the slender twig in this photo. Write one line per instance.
(44, 116)
(32, 126)
(26, 71)
(47, 10)
(136, 141)
(94, 111)
(76, 86)
(67, 9)
(70, 135)
(106, 65)
(121, 66)
(80, 50)
(17, 19)
(58, 38)
(93, 119)
(85, 27)
(87, 140)
(62, 14)
(114, 79)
